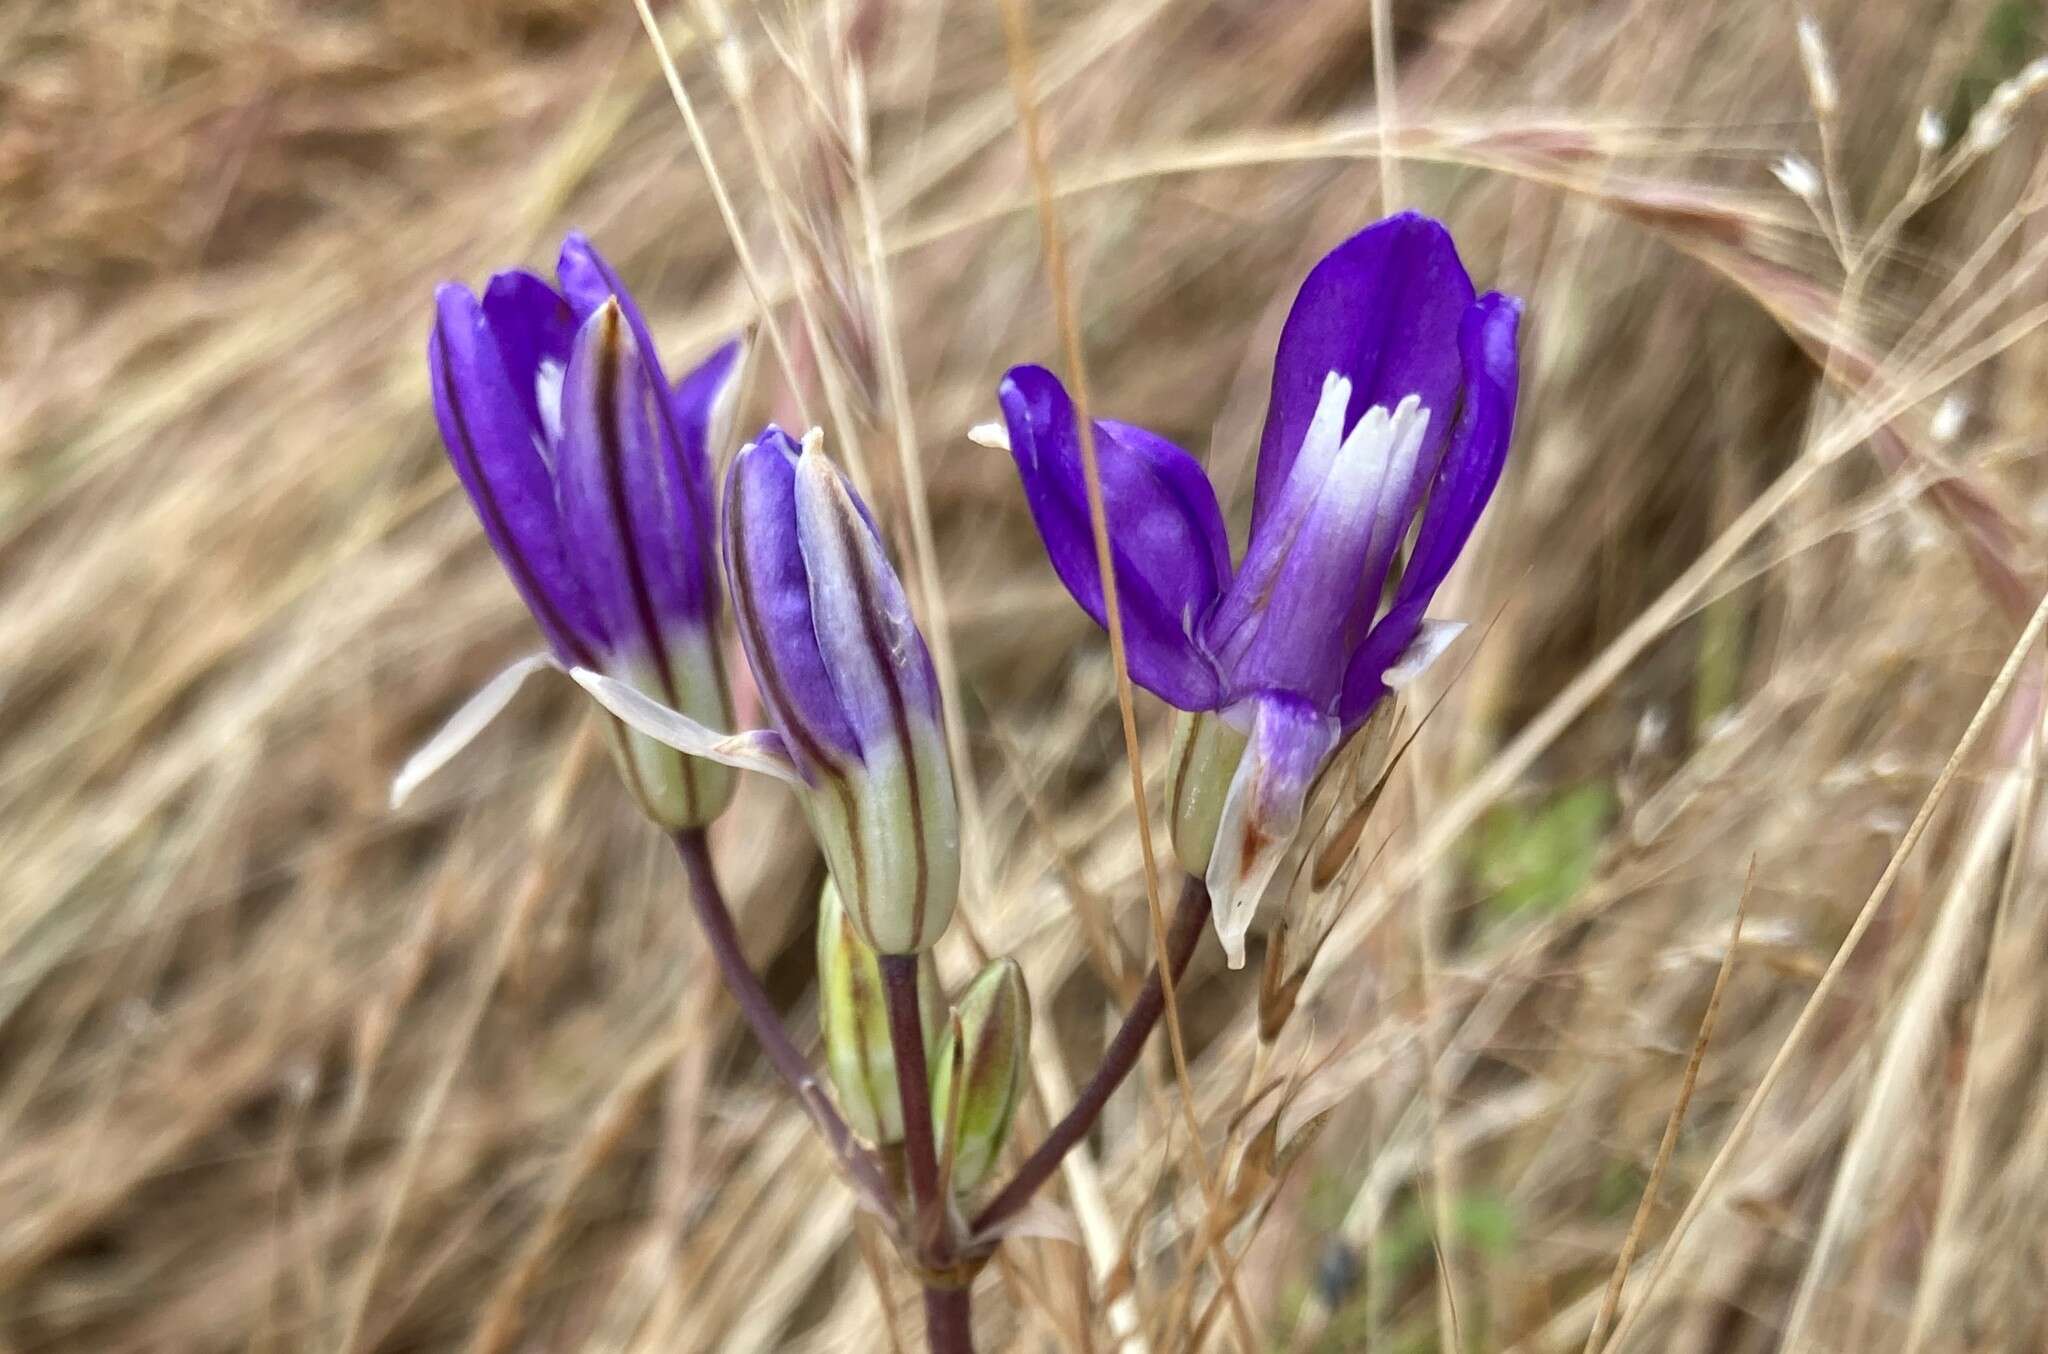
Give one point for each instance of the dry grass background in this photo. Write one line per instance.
(280, 1070)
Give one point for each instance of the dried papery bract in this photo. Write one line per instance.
(1318, 874)
(1392, 403)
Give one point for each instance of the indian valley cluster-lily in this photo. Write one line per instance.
(592, 474)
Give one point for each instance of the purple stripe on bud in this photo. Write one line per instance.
(629, 530)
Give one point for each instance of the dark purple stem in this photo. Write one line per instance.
(761, 1016)
(1183, 931)
(948, 1321)
(913, 1081)
(946, 1311)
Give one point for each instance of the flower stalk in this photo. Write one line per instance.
(913, 1081)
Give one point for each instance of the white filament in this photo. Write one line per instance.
(547, 394)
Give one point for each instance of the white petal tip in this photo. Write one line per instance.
(1233, 947)
(994, 436)
(1431, 639)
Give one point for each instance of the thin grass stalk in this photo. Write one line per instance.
(1816, 1000)
(1017, 44)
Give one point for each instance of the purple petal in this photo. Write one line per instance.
(635, 550)
(1318, 589)
(534, 329)
(1381, 310)
(771, 598)
(588, 281)
(494, 452)
(1470, 470)
(1167, 542)
(701, 410)
(873, 652)
(700, 393)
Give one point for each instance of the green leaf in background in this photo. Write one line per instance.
(1536, 857)
(2012, 37)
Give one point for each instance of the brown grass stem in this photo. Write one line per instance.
(1817, 1001)
(1669, 1144)
(1017, 44)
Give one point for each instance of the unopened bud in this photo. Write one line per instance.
(854, 1017)
(1200, 766)
(848, 685)
(845, 673)
(978, 1077)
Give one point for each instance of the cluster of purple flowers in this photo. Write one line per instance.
(1392, 401)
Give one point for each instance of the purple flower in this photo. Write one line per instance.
(592, 478)
(848, 685)
(1393, 397)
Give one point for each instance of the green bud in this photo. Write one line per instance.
(854, 1017)
(1204, 758)
(988, 1038)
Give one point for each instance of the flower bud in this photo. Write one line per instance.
(854, 1018)
(982, 1053)
(591, 476)
(849, 685)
